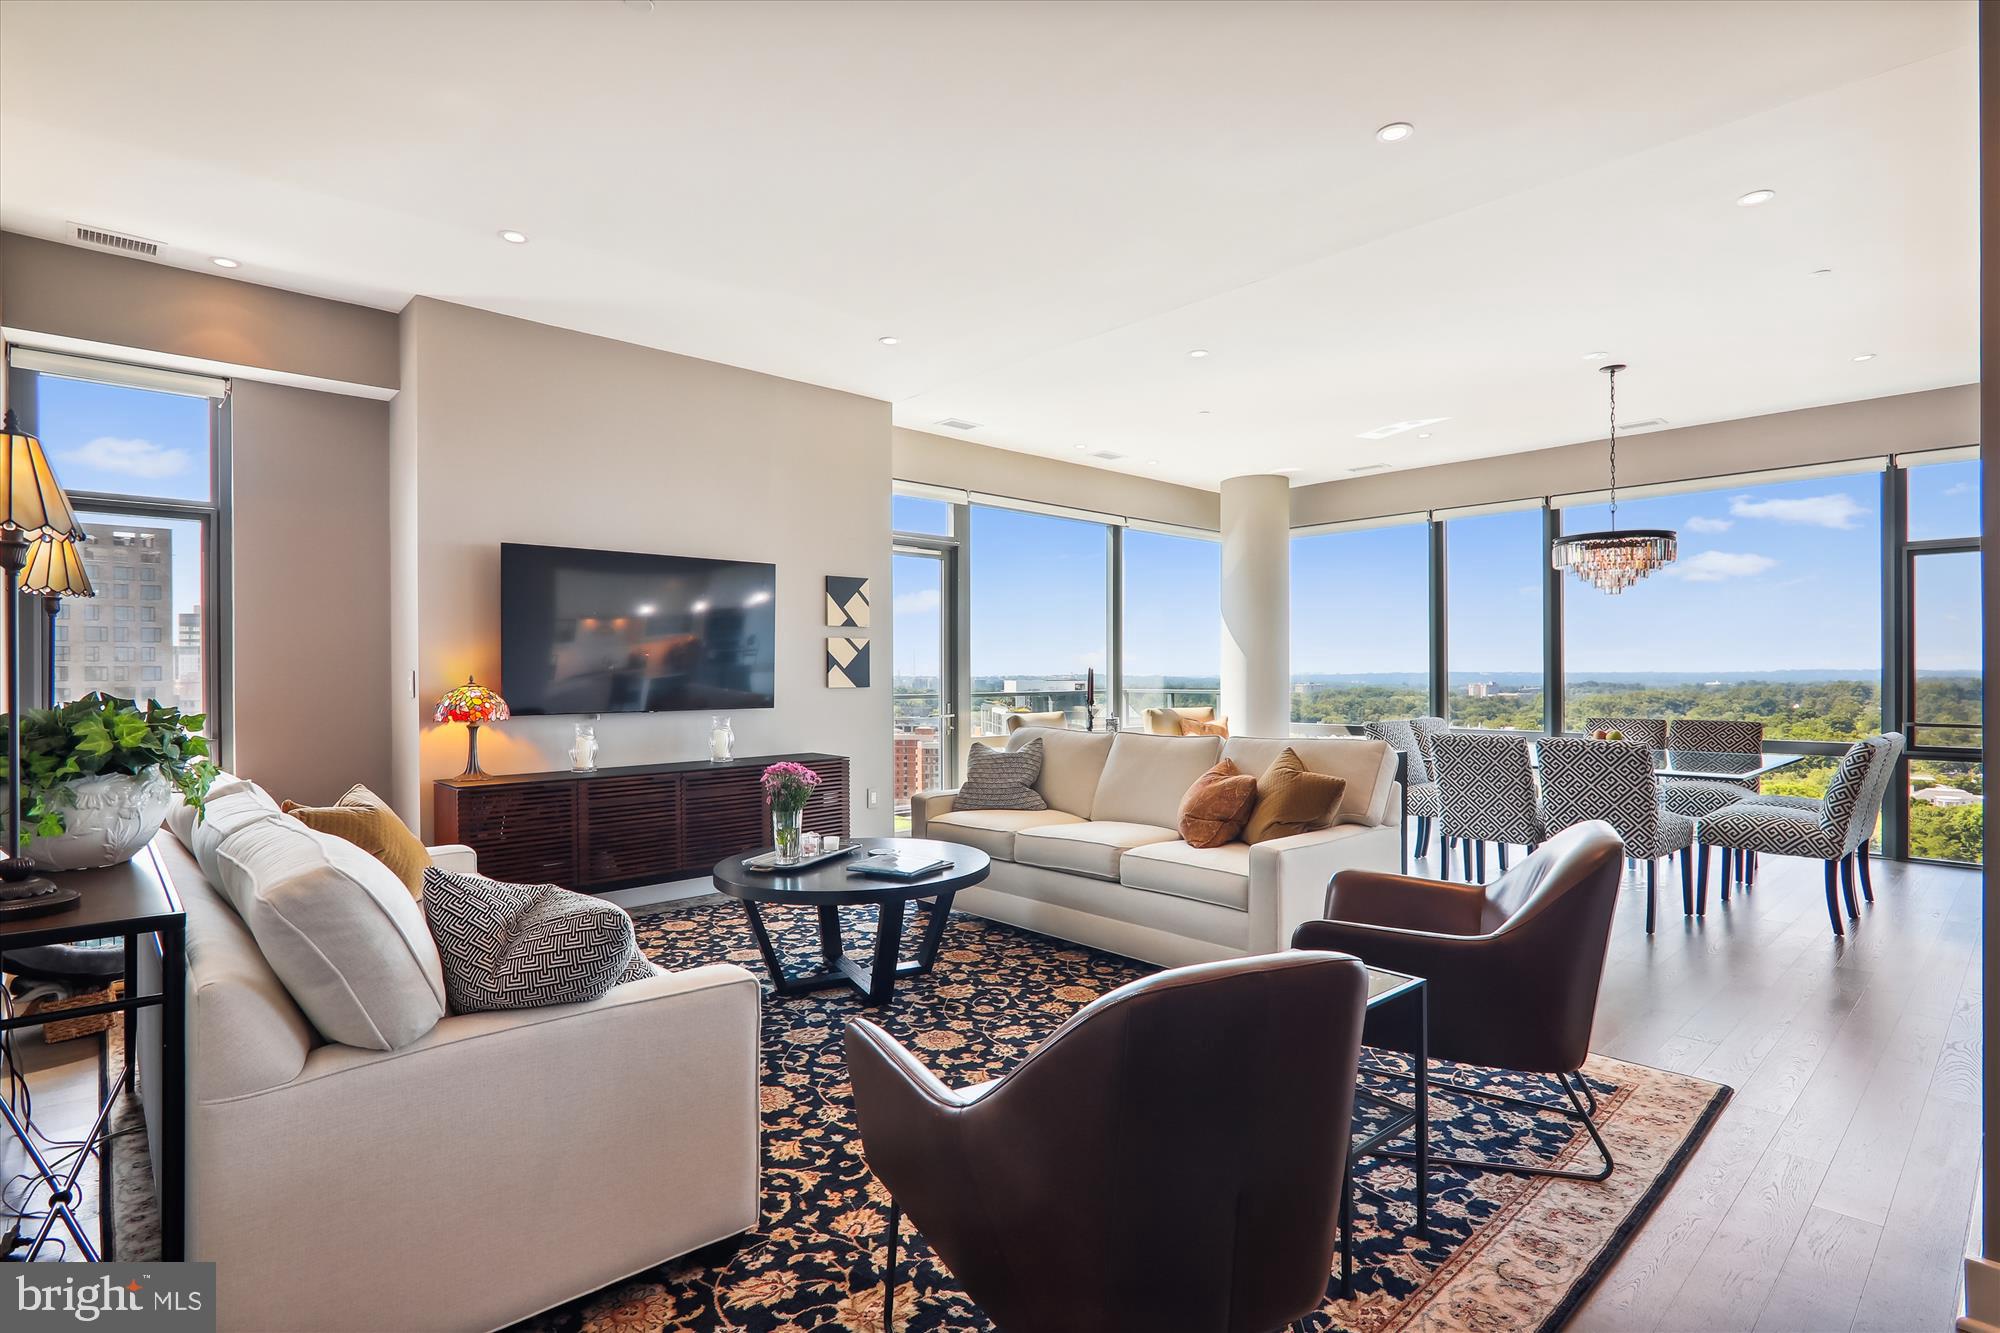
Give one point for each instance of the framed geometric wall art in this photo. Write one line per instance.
(846, 602)
(846, 664)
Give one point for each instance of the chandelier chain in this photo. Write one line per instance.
(1613, 373)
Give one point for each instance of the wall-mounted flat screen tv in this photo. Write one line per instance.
(617, 632)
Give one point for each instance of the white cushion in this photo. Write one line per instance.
(1071, 764)
(1146, 777)
(335, 924)
(992, 831)
(1368, 765)
(1219, 875)
(1086, 849)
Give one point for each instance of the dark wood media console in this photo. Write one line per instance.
(617, 827)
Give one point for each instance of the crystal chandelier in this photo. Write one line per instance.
(1613, 561)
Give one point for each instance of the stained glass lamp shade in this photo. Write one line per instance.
(1612, 561)
(32, 507)
(472, 704)
(55, 569)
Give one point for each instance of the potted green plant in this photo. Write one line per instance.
(99, 774)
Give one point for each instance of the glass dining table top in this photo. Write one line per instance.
(1710, 763)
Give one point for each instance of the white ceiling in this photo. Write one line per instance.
(1050, 204)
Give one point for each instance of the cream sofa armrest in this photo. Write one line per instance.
(534, 1125)
(927, 805)
(455, 857)
(1288, 876)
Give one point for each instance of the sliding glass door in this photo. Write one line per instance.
(921, 599)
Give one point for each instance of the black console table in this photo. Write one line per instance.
(616, 827)
(131, 901)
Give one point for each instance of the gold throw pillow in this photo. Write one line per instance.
(1194, 726)
(365, 819)
(1213, 811)
(1291, 798)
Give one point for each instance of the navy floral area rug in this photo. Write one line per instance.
(1503, 1251)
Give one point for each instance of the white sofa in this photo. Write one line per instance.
(1104, 865)
(499, 1165)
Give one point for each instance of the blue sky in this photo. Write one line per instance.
(1782, 576)
(114, 440)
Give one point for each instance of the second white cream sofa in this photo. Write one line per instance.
(1104, 865)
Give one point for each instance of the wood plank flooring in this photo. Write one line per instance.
(1836, 1189)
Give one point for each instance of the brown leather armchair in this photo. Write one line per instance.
(1173, 1158)
(1511, 968)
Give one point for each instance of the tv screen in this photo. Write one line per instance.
(615, 632)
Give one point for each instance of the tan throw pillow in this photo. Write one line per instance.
(365, 819)
(1291, 798)
(1214, 809)
(1194, 726)
(1163, 722)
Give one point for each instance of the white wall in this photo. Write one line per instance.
(942, 461)
(510, 431)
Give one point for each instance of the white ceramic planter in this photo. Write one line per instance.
(106, 820)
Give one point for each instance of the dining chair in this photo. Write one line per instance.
(1613, 781)
(1827, 831)
(1486, 793)
(1650, 732)
(1880, 777)
(1696, 797)
(1173, 1159)
(1420, 790)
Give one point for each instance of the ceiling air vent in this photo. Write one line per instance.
(1368, 467)
(958, 423)
(112, 240)
(1108, 455)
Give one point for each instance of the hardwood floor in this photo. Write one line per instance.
(1836, 1190)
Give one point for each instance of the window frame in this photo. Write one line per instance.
(214, 519)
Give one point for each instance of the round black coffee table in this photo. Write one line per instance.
(829, 887)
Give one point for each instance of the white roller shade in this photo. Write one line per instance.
(1965, 453)
(1172, 530)
(1497, 507)
(1361, 524)
(114, 372)
(923, 490)
(1053, 511)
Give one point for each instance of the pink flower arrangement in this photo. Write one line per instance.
(788, 786)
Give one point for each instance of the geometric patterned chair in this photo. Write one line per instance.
(1420, 790)
(1613, 781)
(1650, 732)
(1486, 793)
(1827, 831)
(1699, 796)
(1880, 775)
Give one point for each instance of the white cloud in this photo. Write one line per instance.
(911, 603)
(1820, 511)
(1700, 524)
(1715, 566)
(1959, 488)
(130, 458)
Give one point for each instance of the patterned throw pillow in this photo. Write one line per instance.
(522, 946)
(1002, 779)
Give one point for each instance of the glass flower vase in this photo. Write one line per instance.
(785, 833)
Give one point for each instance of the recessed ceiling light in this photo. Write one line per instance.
(1423, 435)
(221, 262)
(1395, 131)
(514, 237)
(888, 342)
(1287, 471)
(1152, 462)
(1203, 412)
(1597, 356)
(1199, 352)
(1865, 356)
(1079, 448)
(1755, 197)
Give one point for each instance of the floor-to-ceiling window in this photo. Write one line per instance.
(1494, 576)
(140, 454)
(1040, 614)
(1171, 618)
(1361, 624)
(1772, 613)
(1941, 676)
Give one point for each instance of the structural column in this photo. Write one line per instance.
(1257, 605)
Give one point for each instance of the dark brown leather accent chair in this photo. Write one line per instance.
(1172, 1160)
(1511, 968)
